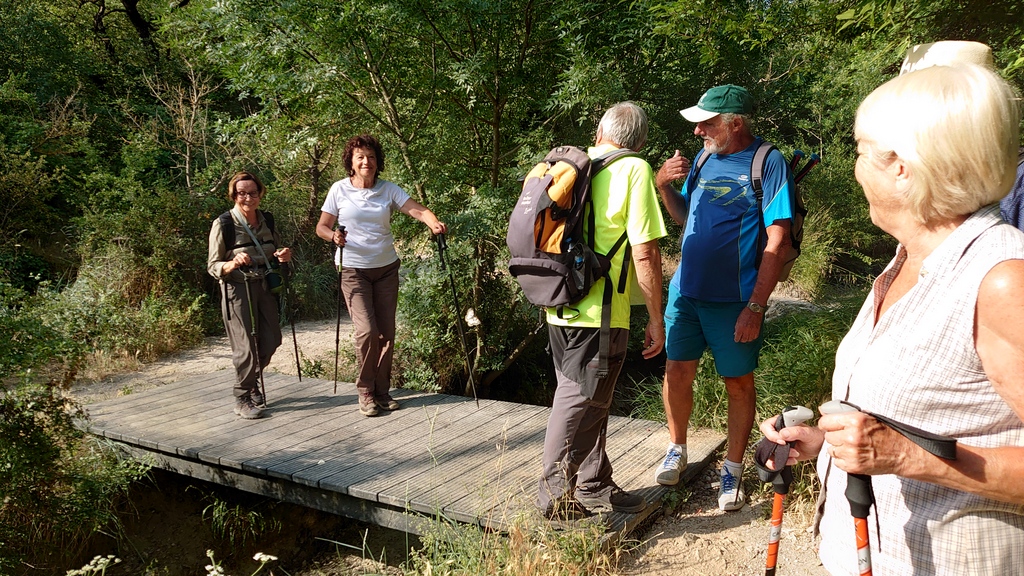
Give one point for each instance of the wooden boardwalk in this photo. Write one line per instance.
(438, 457)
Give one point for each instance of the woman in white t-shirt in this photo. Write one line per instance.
(363, 204)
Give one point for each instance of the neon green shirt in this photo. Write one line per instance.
(624, 200)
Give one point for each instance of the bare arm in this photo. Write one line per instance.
(675, 168)
(748, 325)
(647, 260)
(862, 445)
(325, 229)
(419, 212)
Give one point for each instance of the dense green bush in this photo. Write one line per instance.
(58, 485)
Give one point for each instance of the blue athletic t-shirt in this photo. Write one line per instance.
(719, 245)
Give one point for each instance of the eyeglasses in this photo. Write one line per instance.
(244, 194)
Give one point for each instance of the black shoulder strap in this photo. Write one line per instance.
(598, 164)
(756, 182)
(270, 221)
(227, 230)
(698, 163)
(605, 160)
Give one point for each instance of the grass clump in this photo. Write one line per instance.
(236, 524)
(530, 546)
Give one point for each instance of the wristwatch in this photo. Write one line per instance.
(757, 308)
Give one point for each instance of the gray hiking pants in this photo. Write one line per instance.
(238, 324)
(574, 445)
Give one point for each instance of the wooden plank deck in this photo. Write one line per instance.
(439, 456)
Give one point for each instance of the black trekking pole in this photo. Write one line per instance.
(860, 496)
(858, 486)
(779, 475)
(442, 245)
(337, 329)
(291, 318)
(253, 331)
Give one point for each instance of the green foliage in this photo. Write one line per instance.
(59, 486)
(112, 307)
(237, 525)
(33, 349)
(313, 368)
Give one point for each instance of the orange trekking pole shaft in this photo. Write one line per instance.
(861, 497)
(779, 475)
(774, 535)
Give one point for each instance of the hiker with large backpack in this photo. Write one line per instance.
(732, 253)
(607, 230)
(244, 253)
(361, 206)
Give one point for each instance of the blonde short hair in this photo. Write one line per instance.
(956, 128)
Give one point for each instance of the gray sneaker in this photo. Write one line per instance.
(730, 492)
(612, 498)
(246, 409)
(671, 467)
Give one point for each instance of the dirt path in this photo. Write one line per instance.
(696, 539)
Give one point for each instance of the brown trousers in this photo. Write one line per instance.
(371, 295)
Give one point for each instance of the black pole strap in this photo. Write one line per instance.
(942, 446)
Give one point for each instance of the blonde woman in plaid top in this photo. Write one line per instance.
(938, 344)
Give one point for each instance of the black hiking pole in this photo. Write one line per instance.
(291, 318)
(442, 245)
(253, 331)
(779, 475)
(337, 329)
(860, 495)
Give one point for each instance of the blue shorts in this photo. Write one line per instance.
(692, 325)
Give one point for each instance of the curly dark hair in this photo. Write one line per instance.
(363, 141)
(240, 176)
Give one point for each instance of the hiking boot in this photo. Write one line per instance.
(246, 409)
(566, 510)
(386, 402)
(257, 398)
(670, 468)
(367, 406)
(730, 492)
(613, 498)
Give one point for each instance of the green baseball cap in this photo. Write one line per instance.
(725, 99)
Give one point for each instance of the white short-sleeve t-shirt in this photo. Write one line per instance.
(366, 215)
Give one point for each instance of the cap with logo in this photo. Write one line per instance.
(725, 99)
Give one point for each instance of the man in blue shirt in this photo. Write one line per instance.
(719, 293)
